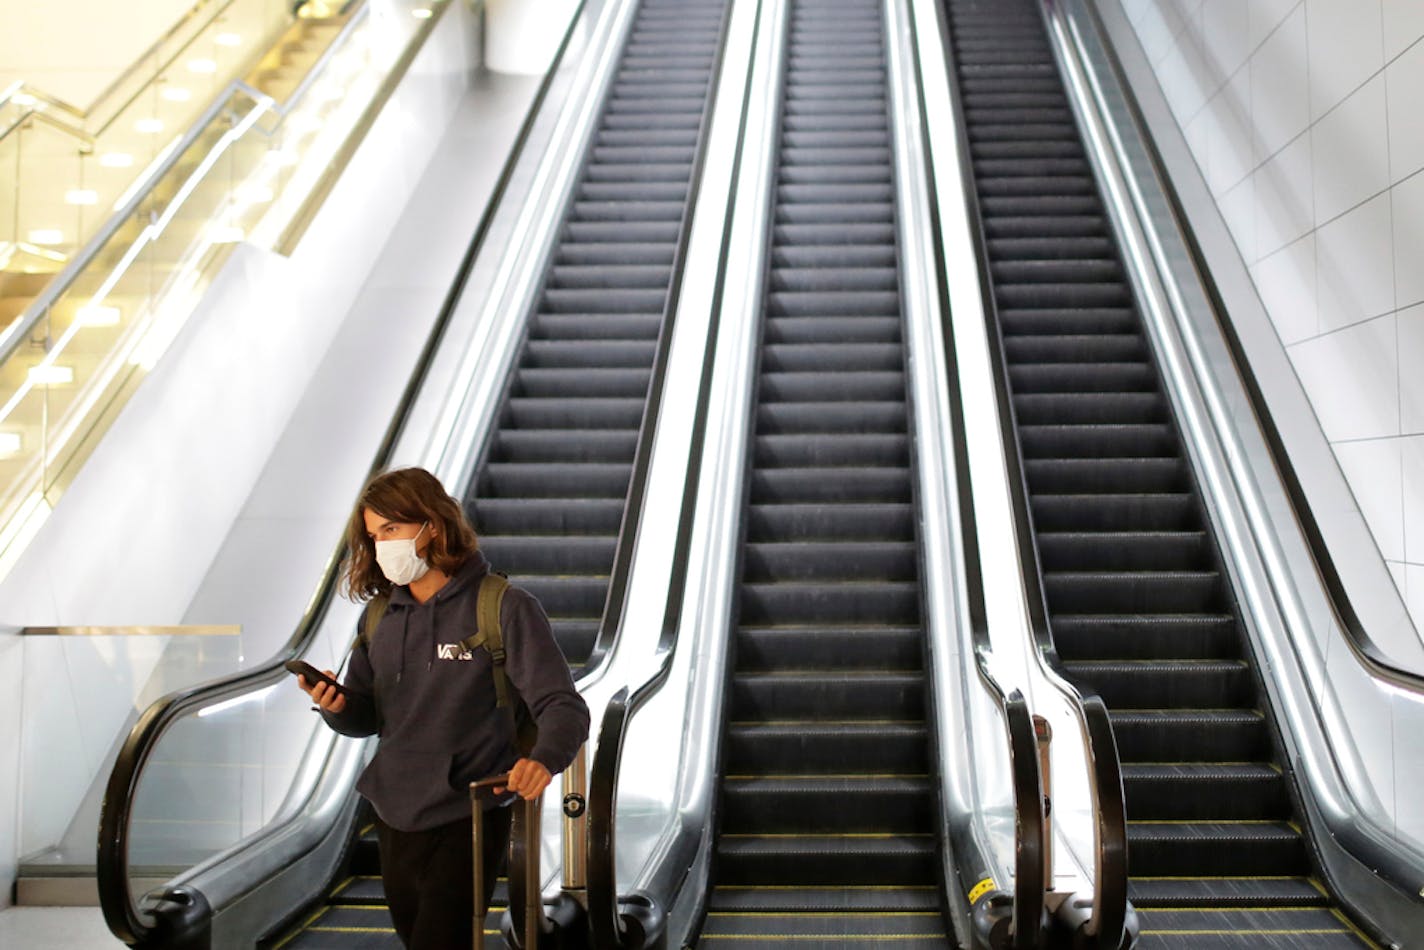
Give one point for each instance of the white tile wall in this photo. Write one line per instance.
(1308, 129)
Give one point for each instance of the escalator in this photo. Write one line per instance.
(548, 498)
(827, 810)
(1136, 596)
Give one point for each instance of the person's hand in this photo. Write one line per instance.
(527, 779)
(325, 695)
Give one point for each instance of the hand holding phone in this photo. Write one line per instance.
(332, 694)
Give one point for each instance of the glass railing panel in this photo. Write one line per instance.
(71, 186)
(252, 171)
(217, 777)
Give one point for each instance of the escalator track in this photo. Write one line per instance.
(548, 499)
(827, 811)
(1137, 600)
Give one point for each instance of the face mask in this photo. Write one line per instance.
(399, 562)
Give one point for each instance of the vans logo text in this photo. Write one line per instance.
(452, 651)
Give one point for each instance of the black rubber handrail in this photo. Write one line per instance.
(1026, 920)
(115, 894)
(609, 927)
(1108, 923)
(1389, 864)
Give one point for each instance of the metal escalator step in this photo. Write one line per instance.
(545, 555)
(1187, 735)
(809, 386)
(1134, 592)
(565, 445)
(1205, 791)
(565, 480)
(548, 516)
(1084, 377)
(820, 860)
(780, 900)
(1199, 849)
(591, 382)
(1025, 321)
(838, 804)
(1089, 408)
(585, 413)
(829, 647)
(1316, 928)
(863, 601)
(810, 747)
(568, 595)
(809, 522)
(823, 561)
(1157, 511)
(841, 417)
(851, 485)
(832, 450)
(1117, 441)
(1107, 476)
(828, 359)
(589, 354)
(826, 329)
(602, 326)
(1076, 348)
(1062, 295)
(1157, 684)
(827, 694)
(1124, 551)
(1225, 891)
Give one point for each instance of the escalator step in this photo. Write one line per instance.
(815, 748)
(1085, 476)
(1122, 551)
(1204, 791)
(829, 647)
(1184, 735)
(823, 561)
(819, 805)
(842, 602)
(807, 860)
(851, 485)
(1157, 684)
(1133, 592)
(786, 900)
(847, 695)
(1167, 848)
(1221, 891)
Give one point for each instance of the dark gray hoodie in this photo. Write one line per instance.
(435, 711)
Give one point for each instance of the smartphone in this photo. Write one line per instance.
(312, 675)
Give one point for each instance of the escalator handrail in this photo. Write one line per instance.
(604, 918)
(115, 894)
(1109, 912)
(1388, 863)
(1031, 828)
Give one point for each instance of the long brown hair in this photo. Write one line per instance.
(409, 496)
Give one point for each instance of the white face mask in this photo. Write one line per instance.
(399, 562)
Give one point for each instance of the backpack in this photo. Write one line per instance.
(488, 635)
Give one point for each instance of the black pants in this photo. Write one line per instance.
(429, 878)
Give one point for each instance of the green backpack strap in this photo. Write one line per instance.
(489, 635)
(375, 610)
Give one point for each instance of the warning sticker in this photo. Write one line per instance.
(980, 889)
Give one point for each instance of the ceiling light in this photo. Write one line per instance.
(176, 93)
(46, 236)
(97, 315)
(255, 194)
(228, 39)
(81, 196)
(204, 66)
(10, 444)
(116, 160)
(51, 375)
(149, 126)
(23, 99)
(421, 13)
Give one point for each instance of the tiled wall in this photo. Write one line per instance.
(1306, 118)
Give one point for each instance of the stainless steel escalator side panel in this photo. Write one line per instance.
(970, 733)
(1349, 711)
